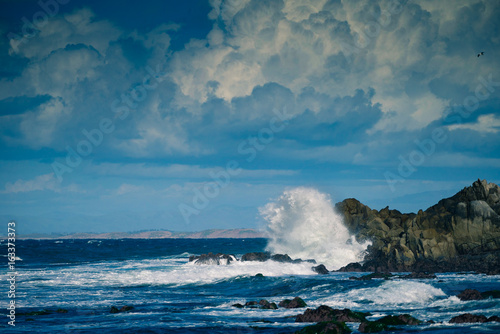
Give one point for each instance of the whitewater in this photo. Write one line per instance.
(303, 224)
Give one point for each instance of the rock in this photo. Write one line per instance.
(61, 310)
(420, 275)
(468, 318)
(371, 327)
(259, 275)
(114, 309)
(494, 318)
(213, 259)
(352, 267)
(264, 304)
(326, 327)
(297, 302)
(460, 233)
(470, 294)
(281, 258)
(252, 304)
(320, 269)
(326, 313)
(491, 294)
(259, 256)
(387, 321)
(372, 276)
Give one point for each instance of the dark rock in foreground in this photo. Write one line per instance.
(262, 304)
(258, 256)
(326, 313)
(470, 294)
(472, 318)
(387, 321)
(297, 302)
(214, 259)
(326, 327)
(491, 294)
(320, 269)
(473, 294)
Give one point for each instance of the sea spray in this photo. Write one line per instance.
(303, 224)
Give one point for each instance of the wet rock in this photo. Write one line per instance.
(491, 294)
(325, 327)
(213, 259)
(281, 258)
(387, 321)
(264, 304)
(352, 267)
(326, 313)
(258, 256)
(468, 318)
(297, 302)
(259, 275)
(320, 269)
(61, 310)
(470, 294)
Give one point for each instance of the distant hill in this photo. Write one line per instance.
(207, 234)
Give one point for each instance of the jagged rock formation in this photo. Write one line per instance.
(459, 233)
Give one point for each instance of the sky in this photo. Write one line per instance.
(192, 115)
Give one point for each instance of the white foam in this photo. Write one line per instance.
(162, 271)
(397, 292)
(303, 224)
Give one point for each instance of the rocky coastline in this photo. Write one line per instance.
(460, 233)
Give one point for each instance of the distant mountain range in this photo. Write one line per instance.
(207, 234)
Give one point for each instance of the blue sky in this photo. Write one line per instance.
(190, 115)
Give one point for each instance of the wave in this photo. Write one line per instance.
(303, 224)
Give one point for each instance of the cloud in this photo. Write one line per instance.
(39, 183)
(485, 124)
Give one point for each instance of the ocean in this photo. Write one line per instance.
(70, 286)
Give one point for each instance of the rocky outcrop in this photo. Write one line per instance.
(473, 294)
(384, 323)
(326, 313)
(213, 259)
(320, 269)
(459, 233)
(262, 304)
(297, 302)
(258, 256)
(472, 318)
(326, 327)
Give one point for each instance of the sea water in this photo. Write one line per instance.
(171, 295)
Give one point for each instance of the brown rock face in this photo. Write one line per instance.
(459, 233)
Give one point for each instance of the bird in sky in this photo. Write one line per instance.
(480, 53)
